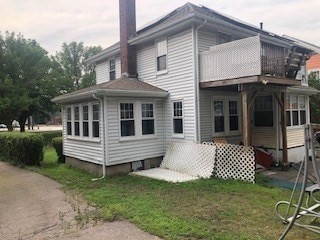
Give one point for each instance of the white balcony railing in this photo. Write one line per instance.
(234, 59)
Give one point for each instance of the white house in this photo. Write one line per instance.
(193, 75)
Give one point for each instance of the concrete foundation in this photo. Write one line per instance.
(96, 169)
(295, 155)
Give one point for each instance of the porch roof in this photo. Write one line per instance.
(121, 87)
(303, 90)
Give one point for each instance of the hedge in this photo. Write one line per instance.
(49, 135)
(21, 148)
(57, 144)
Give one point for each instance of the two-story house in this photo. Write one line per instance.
(193, 75)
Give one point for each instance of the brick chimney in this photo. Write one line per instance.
(128, 53)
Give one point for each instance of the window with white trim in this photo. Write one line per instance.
(295, 110)
(95, 120)
(76, 121)
(162, 56)
(263, 111)
(83, 121)
(127, 123)
(112, 69)
(69, 121)
(225, 114)
(147, 116)
(177, 117)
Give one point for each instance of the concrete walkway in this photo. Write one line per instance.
(33, 207)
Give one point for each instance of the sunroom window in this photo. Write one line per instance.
(295, 110)
(127, 119)
(147, 118)
(177, 117)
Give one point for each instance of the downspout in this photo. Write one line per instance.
(103, 138)
(196, 77)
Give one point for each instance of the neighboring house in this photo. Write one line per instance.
(313, 65)
(193, 75)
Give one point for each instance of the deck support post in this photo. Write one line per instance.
(245, 119)
(284, 130)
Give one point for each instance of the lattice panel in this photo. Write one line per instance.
(234, 162)
(234, 59)
(190, 158)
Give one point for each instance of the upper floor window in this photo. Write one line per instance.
(178, 117)
(263, 111)
(112, 69)
(223, 38)
(295, 110)
(162, 55)
(225, 116)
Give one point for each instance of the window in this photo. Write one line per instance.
(127, 119)
(76, 121)
(233, 116)
(85, 120)
(147, 118)
(177, 118)
(95, 120)
(218, 116)
(295, 110)
(162, 55)
(112, 69)
(263, 111)
(69, 121)
(225, 116)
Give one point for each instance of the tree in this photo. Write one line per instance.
(23, 66)
(72, 60)
(314, 99)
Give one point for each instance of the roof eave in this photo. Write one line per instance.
(306, 90)
(103, 55)
(131, 93)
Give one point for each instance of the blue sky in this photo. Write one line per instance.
(96, 22)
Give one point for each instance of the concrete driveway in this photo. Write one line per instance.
(33, 207)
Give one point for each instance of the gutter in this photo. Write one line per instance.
(103, 138)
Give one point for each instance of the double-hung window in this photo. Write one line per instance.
(225, 116)
(147, 118)
(127, 123)
(76, 121)
(177, 117)
(263, 111)
(69, 121)
(95, 120)
(85, 120)
(112, 69)
(162, 56)
(295, 110)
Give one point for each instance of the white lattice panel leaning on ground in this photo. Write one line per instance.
(234, 162)
(184, 162)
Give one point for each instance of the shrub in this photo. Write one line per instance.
(49, 135)
(57, 144)
(21, 148)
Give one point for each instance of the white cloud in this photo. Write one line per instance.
(96, 22)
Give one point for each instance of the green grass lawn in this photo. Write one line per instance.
(202, 209)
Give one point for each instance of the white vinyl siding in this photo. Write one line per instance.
(129, 149)
(206, 40)
(103, 70)
(179, 80)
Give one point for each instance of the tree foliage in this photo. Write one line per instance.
(72, 61)
(314, 99)
(23, 66)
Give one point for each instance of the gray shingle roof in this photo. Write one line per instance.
(119, 87)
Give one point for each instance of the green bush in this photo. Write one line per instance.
(57, 144)
(49, 135)
(21, 148)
